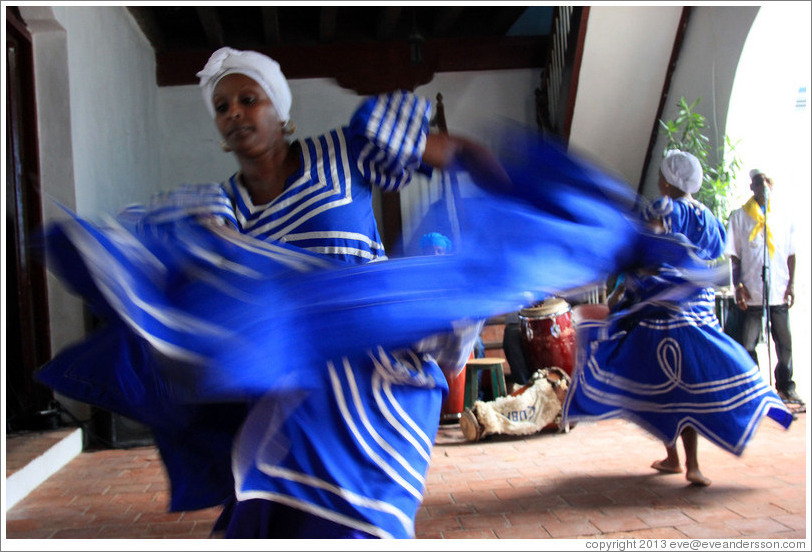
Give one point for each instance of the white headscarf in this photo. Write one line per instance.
(682, 170)
(261, 68)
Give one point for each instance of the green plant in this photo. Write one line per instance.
(686, 132)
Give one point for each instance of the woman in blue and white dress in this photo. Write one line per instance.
(660, 358)
(359, 443)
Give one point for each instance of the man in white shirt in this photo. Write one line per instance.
(746, 246)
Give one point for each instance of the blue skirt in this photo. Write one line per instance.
(667, 365)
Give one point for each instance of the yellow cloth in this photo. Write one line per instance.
(753, 209)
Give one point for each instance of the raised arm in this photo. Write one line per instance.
(442, 150)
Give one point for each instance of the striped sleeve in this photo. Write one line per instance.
(388, 137)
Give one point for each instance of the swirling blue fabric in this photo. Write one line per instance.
(196, 311)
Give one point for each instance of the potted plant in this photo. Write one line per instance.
(686, 132)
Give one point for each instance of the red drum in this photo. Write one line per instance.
(592, 311)
(455, 401)
(548, 335)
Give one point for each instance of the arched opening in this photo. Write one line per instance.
(770, 116)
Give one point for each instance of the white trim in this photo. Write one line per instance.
(20, 483)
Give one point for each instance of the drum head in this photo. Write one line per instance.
(552, 307)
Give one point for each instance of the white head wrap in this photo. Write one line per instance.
(754, 173)
(682, 170)
(261, 68)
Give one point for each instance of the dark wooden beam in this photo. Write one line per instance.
(211, 26)
(270, 25)
(386, 65)
(388, 22)
(145, 18)
(328, 20)
(505, 19)
(448, 16)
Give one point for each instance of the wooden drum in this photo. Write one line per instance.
(548, 335)
(454, 403)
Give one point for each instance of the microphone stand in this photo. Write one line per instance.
(765, 294)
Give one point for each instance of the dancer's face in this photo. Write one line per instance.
(245, 116)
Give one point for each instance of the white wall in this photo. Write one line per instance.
(112, 105)
(706, 69)
(624, 63)
(98, 146)
(474, 99)
(49, 43)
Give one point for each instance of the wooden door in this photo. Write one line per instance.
(27, 325)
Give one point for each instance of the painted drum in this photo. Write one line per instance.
(548, 335)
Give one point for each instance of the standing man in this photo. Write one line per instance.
(745, 244)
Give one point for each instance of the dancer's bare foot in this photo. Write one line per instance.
(696, 478)
(667, 466)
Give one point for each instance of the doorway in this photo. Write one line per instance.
(769, 114)
(26, 304)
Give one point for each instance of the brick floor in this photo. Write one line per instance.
(592, 482)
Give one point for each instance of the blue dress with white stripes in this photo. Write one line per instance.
(661, 359)
(357, 447)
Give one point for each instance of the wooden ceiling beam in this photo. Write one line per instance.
(386, 64)
(505, 19)
(145, 18)
(211, 26)
(388, 22)
(447, 18)
(328, 22)
(270, 25)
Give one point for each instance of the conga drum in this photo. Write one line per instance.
(548, 335)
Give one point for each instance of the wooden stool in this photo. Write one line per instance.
(472, 369)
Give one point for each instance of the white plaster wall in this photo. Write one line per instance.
(98, 147)
(713, 44)
(112, 107)
(625, 58)
(474, 99)
(49, 43)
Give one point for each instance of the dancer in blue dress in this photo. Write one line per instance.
(358, 445)
(660, 357)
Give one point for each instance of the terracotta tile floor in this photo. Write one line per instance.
(593, 482)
